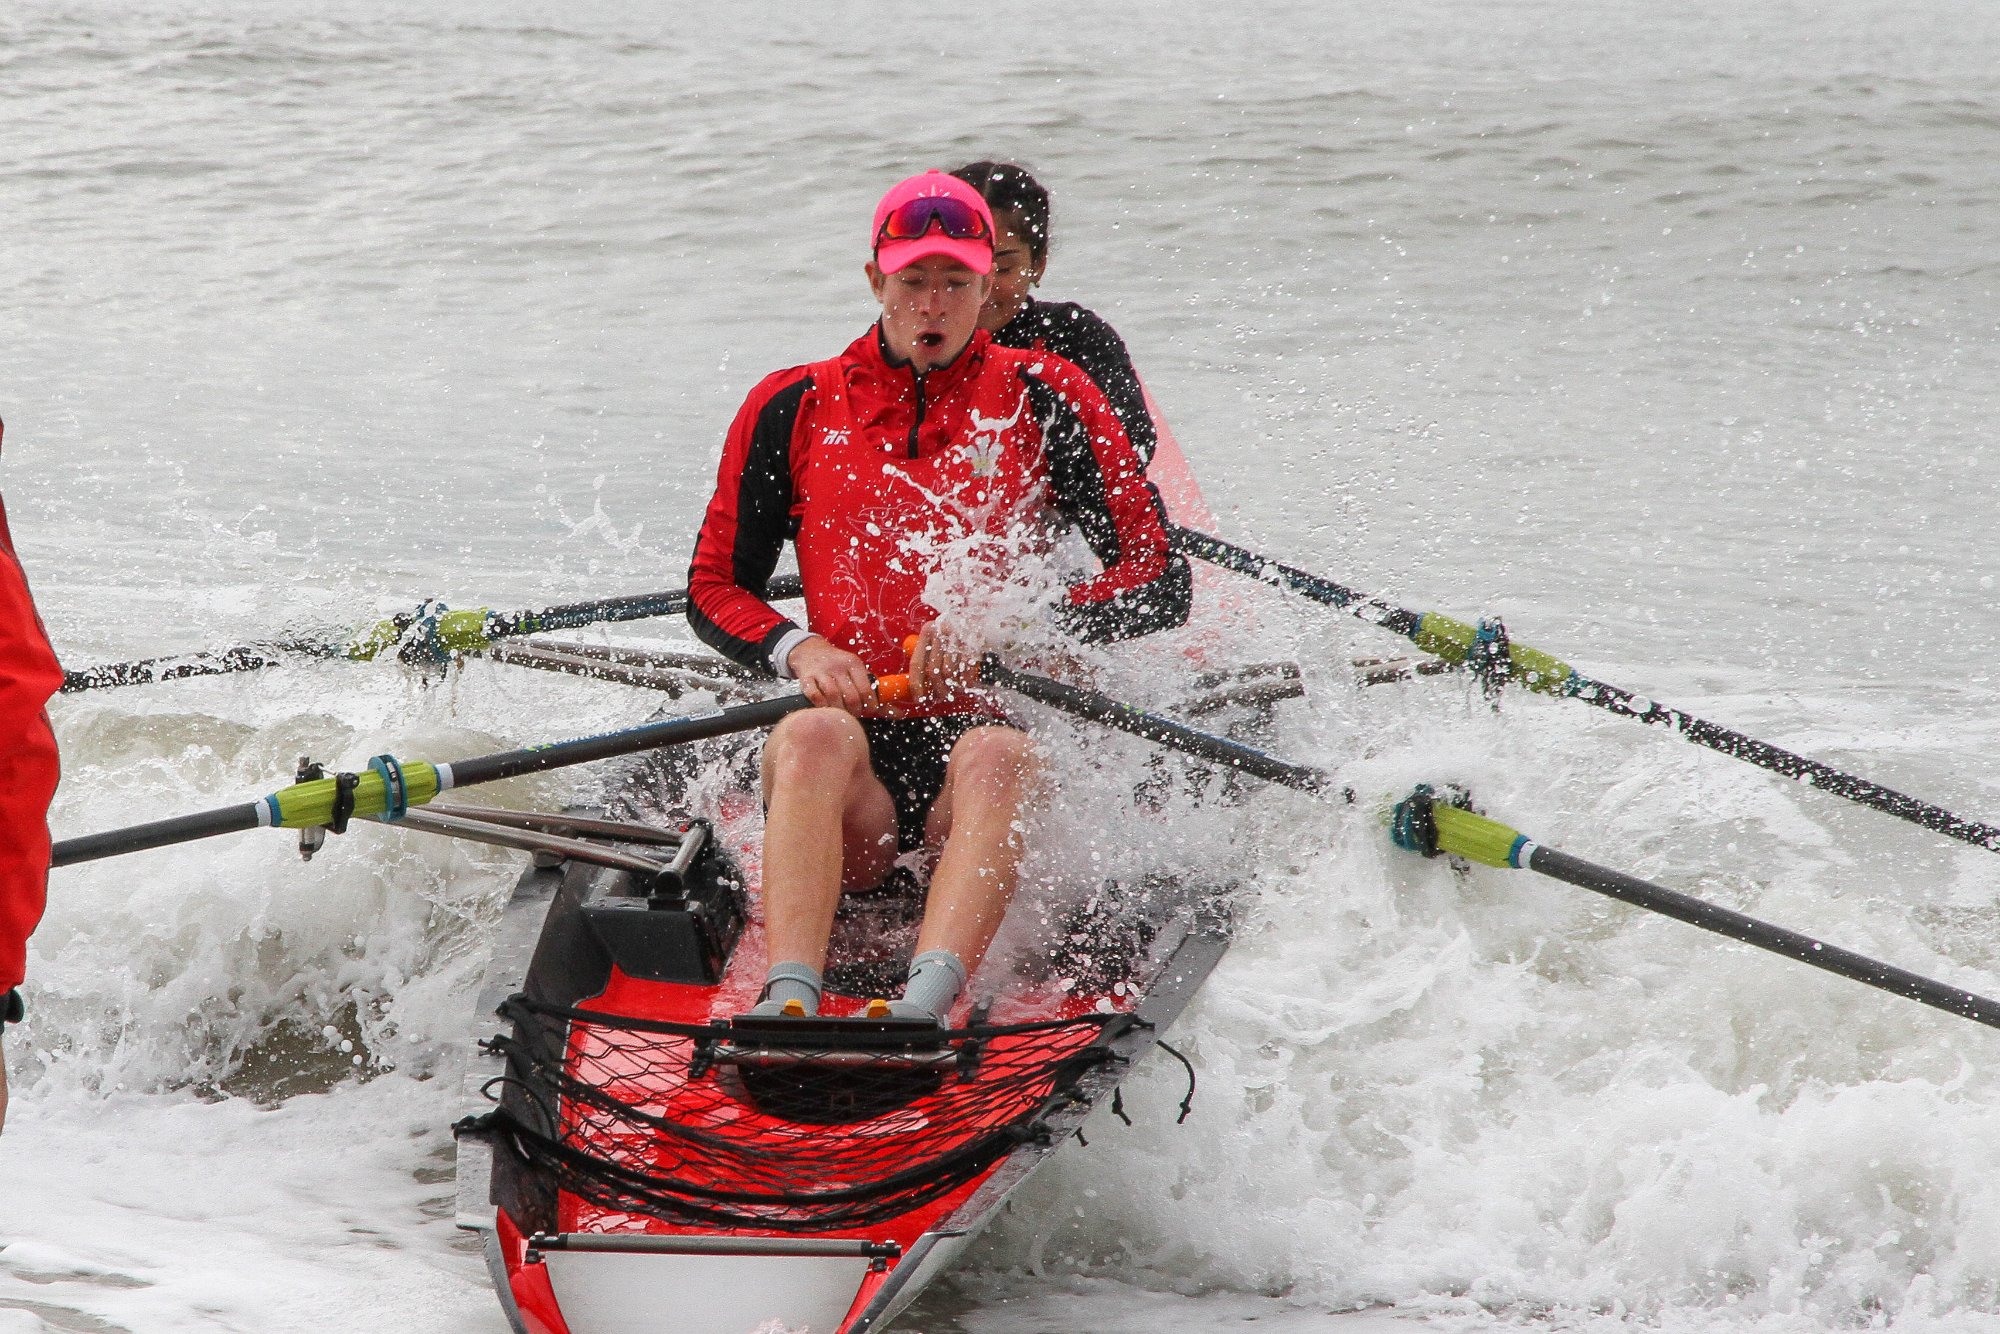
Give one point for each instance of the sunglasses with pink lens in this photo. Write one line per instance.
(954, 217)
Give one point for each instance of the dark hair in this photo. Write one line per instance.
(1010, 189)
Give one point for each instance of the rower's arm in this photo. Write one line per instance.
(748, 521)
(1089, 340)
(1096, 481)
(29, 675)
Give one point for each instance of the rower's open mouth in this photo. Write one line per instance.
(930, 340)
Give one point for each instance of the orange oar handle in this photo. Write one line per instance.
(910, 651)
(897, 689)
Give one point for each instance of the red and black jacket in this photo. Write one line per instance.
(870, 468)
(29, 674)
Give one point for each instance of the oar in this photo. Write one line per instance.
(1424, 823)
(1100, 708)
(440, 633)
(1453, 640)
(389, 787)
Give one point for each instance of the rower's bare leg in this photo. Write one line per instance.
(828, 823)
(991, 776)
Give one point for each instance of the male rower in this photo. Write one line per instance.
(29, 674)
(923, 438)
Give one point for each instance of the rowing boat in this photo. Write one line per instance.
(637, 1157)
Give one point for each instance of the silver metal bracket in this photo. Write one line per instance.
(672, 673)
(313, 837)
(542, 832)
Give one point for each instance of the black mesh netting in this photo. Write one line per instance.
(686, 1123)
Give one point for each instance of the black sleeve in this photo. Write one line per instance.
(749, 519)
(1163, 604)
(1087, 339)
(1076, 486)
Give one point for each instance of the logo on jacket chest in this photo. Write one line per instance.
(983, 448)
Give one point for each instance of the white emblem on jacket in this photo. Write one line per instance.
(983, 449)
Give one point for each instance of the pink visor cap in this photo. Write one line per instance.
(933, 214)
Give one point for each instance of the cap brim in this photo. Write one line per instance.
(895, 255)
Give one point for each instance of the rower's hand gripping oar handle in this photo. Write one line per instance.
(894, 689)
(909, 651)
(897, 688)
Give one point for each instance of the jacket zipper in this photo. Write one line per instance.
(916, 422)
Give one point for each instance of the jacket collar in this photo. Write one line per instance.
(873, 352)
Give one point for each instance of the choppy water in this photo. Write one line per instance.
(1672, 335)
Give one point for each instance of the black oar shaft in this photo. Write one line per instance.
(1714, 736)
(464, 773)
(1738, 745)
(243, 658)
(651, 736)
(158, 834)
(1090, 705)
(1764, 935)
(635, 607)
(1242, 560)
(1424, 823)
(497, 625)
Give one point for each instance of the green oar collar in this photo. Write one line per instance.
(386, 788)
(1431, 822)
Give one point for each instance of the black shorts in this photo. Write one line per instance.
(909, 756)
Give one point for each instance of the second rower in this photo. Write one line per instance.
(1014, 316)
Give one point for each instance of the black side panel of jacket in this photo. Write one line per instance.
(1076, 484)
(763, 524)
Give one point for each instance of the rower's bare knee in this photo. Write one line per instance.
(814, 746)
(1000, 764)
